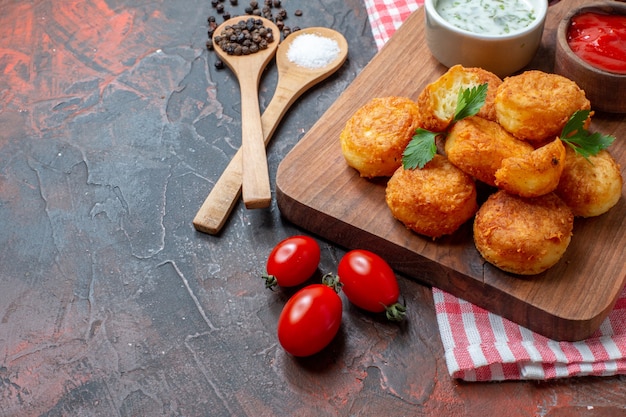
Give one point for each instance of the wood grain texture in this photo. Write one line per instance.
(319, 192)
(248, 69)
(293, 80)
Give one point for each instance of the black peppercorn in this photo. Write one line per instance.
(219, 64)
(298, 12)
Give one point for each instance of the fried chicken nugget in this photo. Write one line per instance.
(374, 138)
(478, 146)
(433, 201)
(533, 174)
(437, 101)
(523, 236)
(590, 187)
(535, 105)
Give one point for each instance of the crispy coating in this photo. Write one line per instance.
(437, 101)
(375, 137)
(433, 201)
(590, 188)
(533, 174)
(523, 236)
(478, 146)
(535, 106)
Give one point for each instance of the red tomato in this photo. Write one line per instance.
(370, 283)
(310, 320)
(292, 262)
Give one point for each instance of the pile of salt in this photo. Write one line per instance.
(312, 51)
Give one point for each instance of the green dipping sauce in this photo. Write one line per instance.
(487, 17)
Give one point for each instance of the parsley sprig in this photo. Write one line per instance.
(581, 140)
(422, 147)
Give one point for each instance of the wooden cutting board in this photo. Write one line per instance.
(319, 192)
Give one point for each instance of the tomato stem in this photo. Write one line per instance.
(395, 312)
(332, 281)
(270, 281)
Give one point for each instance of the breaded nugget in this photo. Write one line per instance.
(535, 105)
(433, 201)
(590, 187)
(523, 236)
(533, 174)
(437, 101)
(376, 135)
(477, 146)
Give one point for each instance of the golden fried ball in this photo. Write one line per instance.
(523, 236)
(590, 187)
(533, 174)
(535, 105)
(477, 146)
(433, 201)
(375, 137)
(438, 100)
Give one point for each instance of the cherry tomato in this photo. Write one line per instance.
(310, 320)
(292, 262)
(370, 283)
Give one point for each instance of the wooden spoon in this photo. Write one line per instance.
(248, 69)
(293, 80)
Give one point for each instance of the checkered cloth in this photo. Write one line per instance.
(482, 346)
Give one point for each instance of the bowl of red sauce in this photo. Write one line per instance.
(591, 51)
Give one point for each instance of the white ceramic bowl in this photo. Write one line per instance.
(500, 54)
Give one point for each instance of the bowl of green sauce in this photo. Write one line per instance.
(501, 36)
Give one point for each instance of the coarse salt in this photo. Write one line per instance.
(312, 51)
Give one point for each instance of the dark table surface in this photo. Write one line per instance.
(114, 126)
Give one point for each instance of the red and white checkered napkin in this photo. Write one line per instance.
(481, 346)
(386, 16)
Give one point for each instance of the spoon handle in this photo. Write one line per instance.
(256, 179)
(222, 199)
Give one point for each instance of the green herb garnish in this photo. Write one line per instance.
(470, 101)
(581, 140)
(422, 147)
(420, 150)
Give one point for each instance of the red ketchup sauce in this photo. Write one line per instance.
(600, 40)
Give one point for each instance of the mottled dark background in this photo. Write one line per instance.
(114, 126)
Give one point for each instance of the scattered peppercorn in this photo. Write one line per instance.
(249, 38)
(249, 33)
